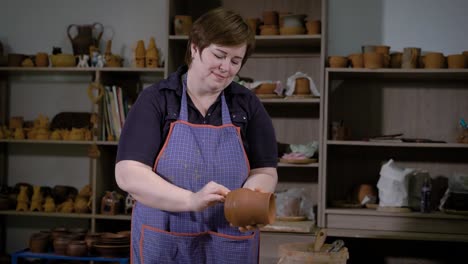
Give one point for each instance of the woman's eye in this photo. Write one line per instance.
(218, 56)
(235, 62)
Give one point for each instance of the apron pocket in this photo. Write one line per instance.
(232, 249)
(159, 246)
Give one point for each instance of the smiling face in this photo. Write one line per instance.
(215, 67)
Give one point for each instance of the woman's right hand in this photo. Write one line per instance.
(207, 196)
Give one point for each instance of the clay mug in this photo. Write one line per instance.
(338, 62)
(409, 60)
(395, 59)
(434, 60)
(356, 60)
(42, 59)
(182, 24)
(244, 207)
(456, 61)
(373, 60)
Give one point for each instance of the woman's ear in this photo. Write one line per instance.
(193, 49)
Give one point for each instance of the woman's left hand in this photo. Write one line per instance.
(249, 227)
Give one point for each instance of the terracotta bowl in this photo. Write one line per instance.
(39, 242)
(265, 88)
(356, 60)
(338, 62)
(77, 248)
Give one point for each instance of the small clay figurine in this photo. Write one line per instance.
(84, 60)
(36, 199)
(49, 205)
(22, 199)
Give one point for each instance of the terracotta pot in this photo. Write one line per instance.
(365, 190)
(265, 88)
(338, 62)
(313, 27)
(39, 242)
(269, 30)
(253, 24)
(42, 59)
(434, 60)
(302, 86)
(395, 59)
(456, 61)
(91, 239)
(373, 60)
(382, 49)
(245, 207)
(77, 248)
(270, 18)
(356, 60)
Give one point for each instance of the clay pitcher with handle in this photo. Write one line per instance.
(87, 35)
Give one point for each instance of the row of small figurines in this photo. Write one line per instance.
(41, 201)
(41, 131)
(379, 56)
(142, 58)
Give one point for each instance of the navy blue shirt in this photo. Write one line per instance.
(148, 122)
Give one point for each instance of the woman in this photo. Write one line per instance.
(190, 139)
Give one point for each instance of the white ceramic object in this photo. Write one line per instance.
(293, 20)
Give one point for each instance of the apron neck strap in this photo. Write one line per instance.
(183, 115)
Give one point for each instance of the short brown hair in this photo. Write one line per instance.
(222, 27)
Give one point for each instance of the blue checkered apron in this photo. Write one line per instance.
(192, 156)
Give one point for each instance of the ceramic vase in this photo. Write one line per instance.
(245, 207)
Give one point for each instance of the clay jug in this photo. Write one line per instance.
(84, 38)
(245, 207)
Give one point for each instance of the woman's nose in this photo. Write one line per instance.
(224, 66)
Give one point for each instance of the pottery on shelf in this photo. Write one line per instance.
(244, 207)
(85, 37)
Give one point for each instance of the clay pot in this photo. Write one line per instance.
(292, 30)
(434, 60)
(356, 60)
(465, 53)
(302, 86)
(410, 57)
(270, 18)
(77, 248)
(84, 37)
(39, 242)
(91, 239)
(365, 190)
(245, 207)
(313, 27)
(253, 24)
(456, 61)
(42, 59)
(14, 60)
(293, 20)
(182, 25)
(338, 62)
(395, 59)
(269, 30)
(373, 60)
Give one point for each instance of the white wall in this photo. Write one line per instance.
(432, 25)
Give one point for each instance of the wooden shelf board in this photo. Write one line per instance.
(290, 227)
(274, 41)
(60, 142)
(395, 144)
(310, 165)
(44, 214)
(373, 212)
(113, 217)
(290, 100)
(385, 73)
(359, 233)
(82, 70)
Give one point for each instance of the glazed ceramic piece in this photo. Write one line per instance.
(373, 60)
(245, 207)
(313, 27)
(302, 86)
